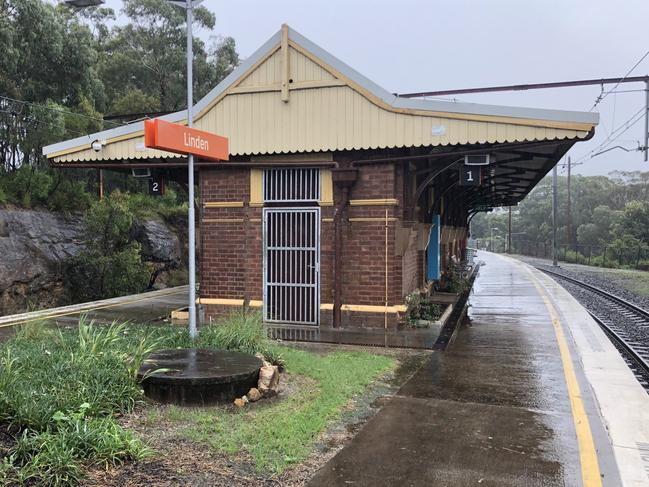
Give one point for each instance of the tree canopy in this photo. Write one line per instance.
(62, 70)
(606, 211)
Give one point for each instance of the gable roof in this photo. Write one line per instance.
(332, 107)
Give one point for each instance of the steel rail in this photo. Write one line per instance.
(642, 363)
(612, 297)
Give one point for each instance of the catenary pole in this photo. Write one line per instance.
(554, 216)
(190, 178)
(569, 226)
(646, 121)
(509, 233)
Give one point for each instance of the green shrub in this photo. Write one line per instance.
(4, 199)
(242, 331)
(110, 263)
(31, 186)
(69, 197)
(178, 277)
(421, 308)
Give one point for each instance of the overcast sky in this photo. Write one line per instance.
(417, 45)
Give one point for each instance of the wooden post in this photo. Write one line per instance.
(100, 183)
(285, 64)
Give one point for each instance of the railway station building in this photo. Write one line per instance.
(339, 198)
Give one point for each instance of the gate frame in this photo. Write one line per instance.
(264, 224)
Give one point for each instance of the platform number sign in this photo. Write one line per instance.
(470, 175)
(156, 186)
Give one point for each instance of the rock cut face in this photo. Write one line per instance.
(35, 244)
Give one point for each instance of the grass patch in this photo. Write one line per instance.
(63, 389)
(634, 281)
(277, 434)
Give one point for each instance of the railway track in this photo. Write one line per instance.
(623, 332)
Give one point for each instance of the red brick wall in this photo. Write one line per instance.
(225, 243)
(231, 263)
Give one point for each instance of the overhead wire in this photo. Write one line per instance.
(601, 97)
(60, 110)
(615, 134)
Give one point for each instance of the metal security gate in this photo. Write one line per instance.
(292, 265)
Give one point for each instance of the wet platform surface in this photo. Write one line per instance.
(424, 338)
(147, 307)
(493, 410)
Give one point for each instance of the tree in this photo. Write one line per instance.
(111, 262)
(145, 59)
(634, 221)
(48, 60)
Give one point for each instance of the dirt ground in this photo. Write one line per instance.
(178, 461)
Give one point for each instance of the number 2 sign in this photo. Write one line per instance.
(156, 186)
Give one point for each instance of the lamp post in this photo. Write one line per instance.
(188, 5)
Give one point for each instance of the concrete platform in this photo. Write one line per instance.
(531, 393)
(139, 308)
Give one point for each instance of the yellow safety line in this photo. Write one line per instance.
(590, 473)
(83, 310)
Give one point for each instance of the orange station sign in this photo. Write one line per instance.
(172, 137)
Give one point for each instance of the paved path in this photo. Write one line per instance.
(493, 411)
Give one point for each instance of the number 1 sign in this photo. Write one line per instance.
(470, 176)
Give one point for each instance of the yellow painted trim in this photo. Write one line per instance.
(364, 308)
(87, 145)
(222, 301)
(255, 220)
(326, 188)
(277, 87)
(590, 473)
(373, 219)
(354, 308)
(223, 204)
(243, 76)
(327, 220)
(256, 205)
(374, 202)
(256, 187)
(285, 63)
(223, 220)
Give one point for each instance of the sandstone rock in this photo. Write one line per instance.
(254, 395)
(265, 362)
(35, 244)
(239, 402)
(268, 380)
(159, 243)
